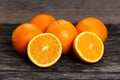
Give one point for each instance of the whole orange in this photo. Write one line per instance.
(65, 31)
(43, 21)
(21, 36)
(94, 25)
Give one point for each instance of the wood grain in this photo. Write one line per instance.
(17, 67)
(14, 66)
(19, 11)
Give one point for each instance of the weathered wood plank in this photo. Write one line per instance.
(14, 66)
(20, 11)
(55, 76)
(12, 61)
(7, 29)
(107, 68)
(5, 39)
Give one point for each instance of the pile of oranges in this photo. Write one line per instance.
(44, 39)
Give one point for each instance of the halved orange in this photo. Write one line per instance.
(44, 50)
(88, 47)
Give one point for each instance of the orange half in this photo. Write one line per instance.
(88, 47)
(44, 50)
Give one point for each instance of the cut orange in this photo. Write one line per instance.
(22, 35)
(44, 50)
(88, 47)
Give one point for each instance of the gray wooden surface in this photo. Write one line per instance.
(16, 67)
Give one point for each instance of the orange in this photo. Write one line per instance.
(88, 47)
(93, 24)
(44, 50)
(43, 21)
(21, 36)
(65, 31)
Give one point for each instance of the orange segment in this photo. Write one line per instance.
(44, 50)
(88, 47)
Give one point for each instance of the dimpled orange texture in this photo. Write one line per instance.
(94, 25)
(42, 21)
(65, 31)
(21, 36)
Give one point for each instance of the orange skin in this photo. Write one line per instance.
(93, 25)
(21, 36)
(65, 31)
(43, 21)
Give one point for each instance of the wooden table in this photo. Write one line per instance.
(17, 67)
